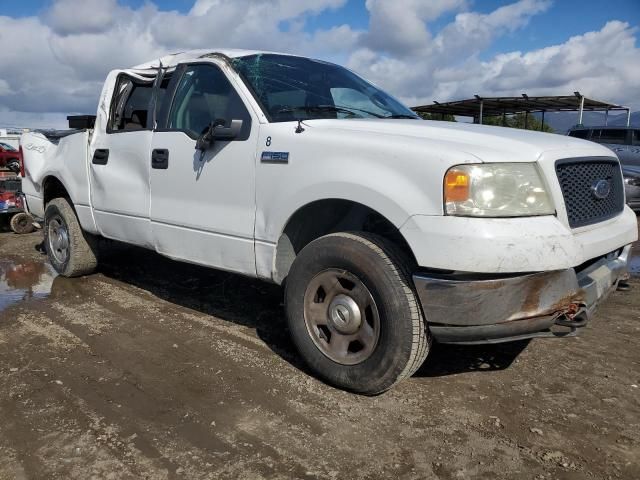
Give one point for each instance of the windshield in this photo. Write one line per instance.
(6, 146)
(294, 88)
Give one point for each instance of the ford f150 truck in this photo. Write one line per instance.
(385, 230)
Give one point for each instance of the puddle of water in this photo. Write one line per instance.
(24, 281)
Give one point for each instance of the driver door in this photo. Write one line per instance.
(203, 203)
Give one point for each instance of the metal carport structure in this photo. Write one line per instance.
(480, 107)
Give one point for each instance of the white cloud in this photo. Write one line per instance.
(238, 24)
(5, 89)
(64, 54)
(472, 32)
(413, 74)
(68, 17)
(400, 27)
(604, 64)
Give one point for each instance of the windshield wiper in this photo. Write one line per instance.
(353, 111)
(377, 115)
(402, 115)
(317, 108)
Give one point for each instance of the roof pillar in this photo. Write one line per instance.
(628, 116)
(481, 108)
(581, 109)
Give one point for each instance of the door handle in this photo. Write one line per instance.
(100, 156)
(160, 159)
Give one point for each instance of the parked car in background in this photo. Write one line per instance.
(9, 157)
(385, 230)
(625, 141)
(632, 186)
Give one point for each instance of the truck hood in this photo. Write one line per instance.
(486, 143)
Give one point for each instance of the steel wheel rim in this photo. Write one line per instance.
(58, 239)
(341, 316)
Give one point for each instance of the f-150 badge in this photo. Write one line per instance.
(275, 157)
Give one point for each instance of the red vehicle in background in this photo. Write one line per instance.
(9, 157)
(12, 203)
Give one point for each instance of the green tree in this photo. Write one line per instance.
(437, 116)
(518, 121)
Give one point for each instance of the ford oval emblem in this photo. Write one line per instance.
(601, 189)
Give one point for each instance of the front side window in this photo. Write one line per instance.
(130, 105)
(636, 137)
(294, 88)
(614, 136)
(204, 95)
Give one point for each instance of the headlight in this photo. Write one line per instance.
(496, 190)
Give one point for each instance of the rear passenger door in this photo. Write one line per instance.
(203, 203)
(119, 163)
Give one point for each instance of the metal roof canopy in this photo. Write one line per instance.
(480, 107)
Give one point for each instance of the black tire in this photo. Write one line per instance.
(22, 223)
(403, 339)
(80, 258)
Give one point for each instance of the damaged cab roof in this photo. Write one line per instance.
(174, 59)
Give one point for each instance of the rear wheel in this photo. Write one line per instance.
(353, 314)
(71, 251)
(22, 223)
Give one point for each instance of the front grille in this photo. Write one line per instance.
(577, 178)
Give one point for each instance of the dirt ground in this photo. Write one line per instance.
(156, 369)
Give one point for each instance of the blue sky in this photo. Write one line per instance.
(419, 51)
(564, 19)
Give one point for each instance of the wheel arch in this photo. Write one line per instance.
(53, 187)
(322, 217)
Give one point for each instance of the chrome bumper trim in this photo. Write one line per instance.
(461, 310)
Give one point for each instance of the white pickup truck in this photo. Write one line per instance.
(386, 231)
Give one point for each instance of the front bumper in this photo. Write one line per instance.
(467, 310)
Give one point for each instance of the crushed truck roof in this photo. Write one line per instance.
(175, 58)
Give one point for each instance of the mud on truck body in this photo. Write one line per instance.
(386, 231)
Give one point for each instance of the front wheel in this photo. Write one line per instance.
(71, 251)
(353, 313)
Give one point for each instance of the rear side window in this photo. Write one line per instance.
(612, 136)
(579, 134)
(636, 137)
(130, 105)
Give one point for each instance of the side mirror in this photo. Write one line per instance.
(217, 131)
(220, 132)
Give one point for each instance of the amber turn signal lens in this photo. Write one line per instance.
(456, 186)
